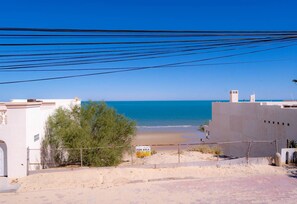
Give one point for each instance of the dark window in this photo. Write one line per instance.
(288, 124)
(273, 122)
(268, 121)
(278, 123)
(283, 123)
(264, 121)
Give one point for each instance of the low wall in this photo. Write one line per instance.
(284, 152)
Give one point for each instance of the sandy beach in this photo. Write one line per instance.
(167, 136)
(150, 138)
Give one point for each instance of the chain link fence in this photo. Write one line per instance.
(162, 155)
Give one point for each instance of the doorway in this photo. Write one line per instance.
(3, 159)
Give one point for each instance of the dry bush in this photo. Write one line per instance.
(154, 152)
(205, 149)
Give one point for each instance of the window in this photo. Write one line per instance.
(268, 121)
(36, 137)
(278, 123)
(288, 124)
(283, 123)
(273, 122)
(264, 121)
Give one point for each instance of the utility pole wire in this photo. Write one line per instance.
(137, 68)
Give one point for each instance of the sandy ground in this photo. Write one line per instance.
(169, 157)
(245, 184)
(147, 138)
(167, 136)
(136, 184)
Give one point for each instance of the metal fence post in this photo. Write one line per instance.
(81, 157)
(276, 145)
(178, 151)
(248, 152)
(131, 154)
(28, 160)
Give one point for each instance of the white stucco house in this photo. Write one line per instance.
(22, 126)
(252, 121)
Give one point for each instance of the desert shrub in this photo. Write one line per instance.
(205, 149)
(154, 152)
(90, 126)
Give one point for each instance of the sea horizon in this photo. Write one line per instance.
(166, 113)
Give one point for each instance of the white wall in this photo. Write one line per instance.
(245, 122)
(14, 136)
(34, 121)
(24, 121)
(290, 151)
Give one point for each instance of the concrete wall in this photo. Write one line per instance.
(290, 152)
(253, 121)
(34, 122)
(14, 135)
(24, 127)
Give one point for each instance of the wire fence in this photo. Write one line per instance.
(161, 155)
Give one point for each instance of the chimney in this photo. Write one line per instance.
(253, 98)
(234, 96)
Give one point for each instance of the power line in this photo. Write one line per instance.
(108, 43)
(120, 57)
(69, 30)
(121, 68)
(137, 68)
(130, 47)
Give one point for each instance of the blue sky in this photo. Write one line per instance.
(269, 80)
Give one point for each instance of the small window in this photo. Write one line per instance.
(264, 121)
(268, 121)
(273, 122)
(288, 124)
(278, 123)
(36, 137)
(283, 123)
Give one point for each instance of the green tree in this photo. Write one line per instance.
(90, 126)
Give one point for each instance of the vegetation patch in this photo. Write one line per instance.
(206, 149)
(93, 134)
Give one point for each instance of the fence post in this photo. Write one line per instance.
(276, 145)
(131, 152)
(81, 157)
(28, 160)
(248, 152)
(178, 151)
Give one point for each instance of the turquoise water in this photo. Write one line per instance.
(170, 114)
(165, 113)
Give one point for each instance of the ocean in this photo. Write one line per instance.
(157, 114)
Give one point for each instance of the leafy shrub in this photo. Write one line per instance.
(91, 126)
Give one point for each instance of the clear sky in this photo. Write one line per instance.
(268, 80)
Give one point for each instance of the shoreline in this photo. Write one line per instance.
(167, 135)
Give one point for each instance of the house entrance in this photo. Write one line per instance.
(3, 159)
